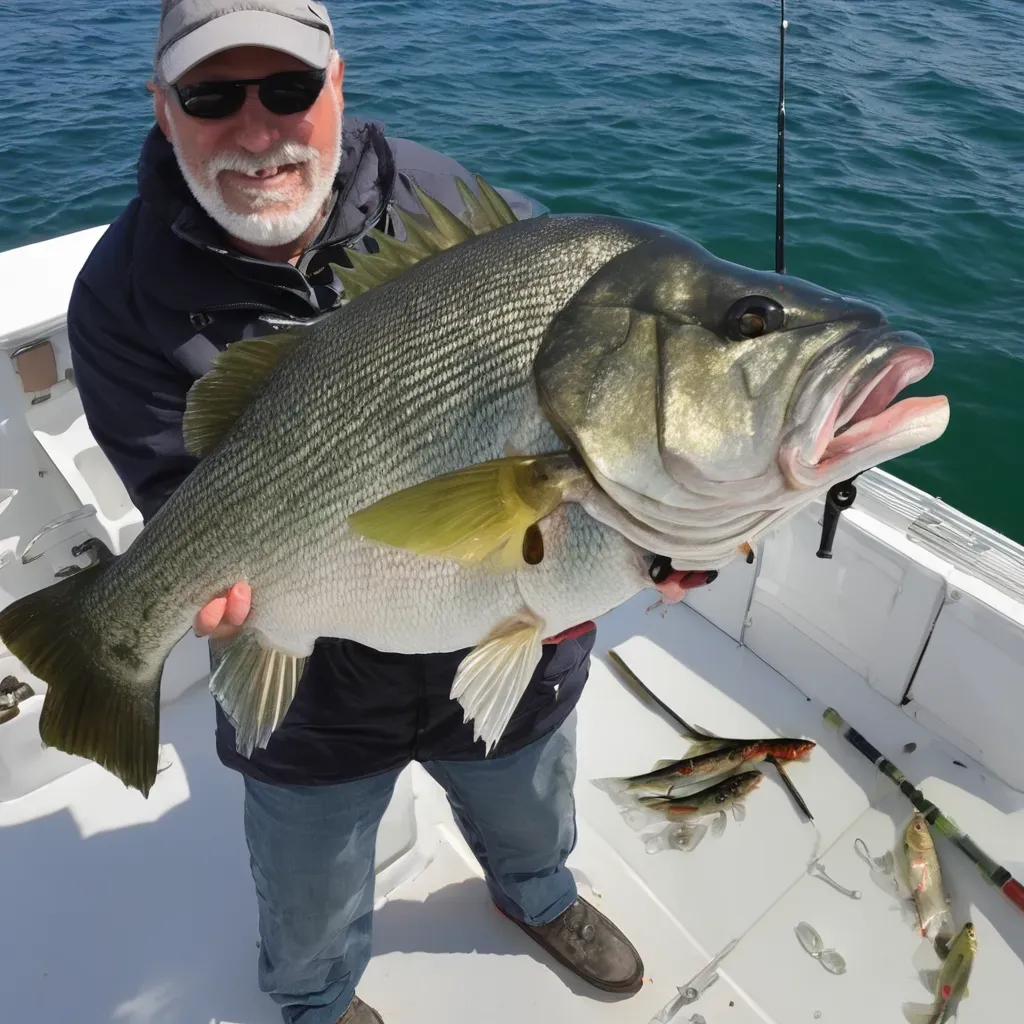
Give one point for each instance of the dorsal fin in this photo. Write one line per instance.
(706, 747)
(217, 399)
(425, 234)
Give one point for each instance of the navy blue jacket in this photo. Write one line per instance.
(161, 293)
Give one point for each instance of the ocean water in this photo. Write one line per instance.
(905, 151)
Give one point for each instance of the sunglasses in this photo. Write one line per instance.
(287, 92)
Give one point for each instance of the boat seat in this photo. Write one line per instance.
(36, 366)
(60, 427)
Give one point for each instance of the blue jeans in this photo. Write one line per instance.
(312, 857)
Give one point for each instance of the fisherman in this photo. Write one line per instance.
(251, 182)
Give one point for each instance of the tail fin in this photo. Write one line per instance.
(684, 838)
(919, 1013)
(617, 789)
(102, 699)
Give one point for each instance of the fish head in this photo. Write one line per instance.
(738, 786)
(917, 835)
(710, 400)
(969, 937)
(793, 750)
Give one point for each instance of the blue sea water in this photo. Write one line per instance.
(905, 150)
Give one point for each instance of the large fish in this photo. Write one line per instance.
(485, 446)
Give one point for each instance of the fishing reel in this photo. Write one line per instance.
(839, 498)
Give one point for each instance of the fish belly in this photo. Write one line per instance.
(396, 601)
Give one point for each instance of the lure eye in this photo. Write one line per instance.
(752, 316)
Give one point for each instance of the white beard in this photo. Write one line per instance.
(265, 229)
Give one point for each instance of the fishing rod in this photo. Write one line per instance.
(995, 874)
(780, 256)
(840, 496)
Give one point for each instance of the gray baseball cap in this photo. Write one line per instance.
(192, 30)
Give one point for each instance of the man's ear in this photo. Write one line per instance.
(338, 76)
(160, 107)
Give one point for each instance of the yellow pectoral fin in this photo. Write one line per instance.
(483, 510)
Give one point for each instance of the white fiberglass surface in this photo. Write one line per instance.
(38, 278)
(124, 910)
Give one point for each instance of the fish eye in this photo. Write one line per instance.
(752, 316)
(719, 798)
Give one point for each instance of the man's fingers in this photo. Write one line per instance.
(223, 616)
(239, 601)
(209, 616)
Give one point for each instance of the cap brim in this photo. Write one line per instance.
(246, 28)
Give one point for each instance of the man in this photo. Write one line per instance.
(249, 185)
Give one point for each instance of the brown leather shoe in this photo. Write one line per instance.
(586, 942)
(359, 1013)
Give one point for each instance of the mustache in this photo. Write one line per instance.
(249, 163)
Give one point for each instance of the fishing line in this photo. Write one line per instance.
(780, 257)
(840, 496)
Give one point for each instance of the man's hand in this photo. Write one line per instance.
(222, 617)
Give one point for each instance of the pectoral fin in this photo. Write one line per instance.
(482, 512)
(492, 678)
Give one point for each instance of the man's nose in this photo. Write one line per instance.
(255, 129)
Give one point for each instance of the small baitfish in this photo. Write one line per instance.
(669, 776)
(924, 879)
(716, 799)
(951, 984)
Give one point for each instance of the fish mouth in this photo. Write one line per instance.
(861, 425)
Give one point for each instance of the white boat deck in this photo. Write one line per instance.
(125, 910)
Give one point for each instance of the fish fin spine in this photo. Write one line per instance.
(218, 398)
(492, 678)
(435, 229)
(255, 683)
